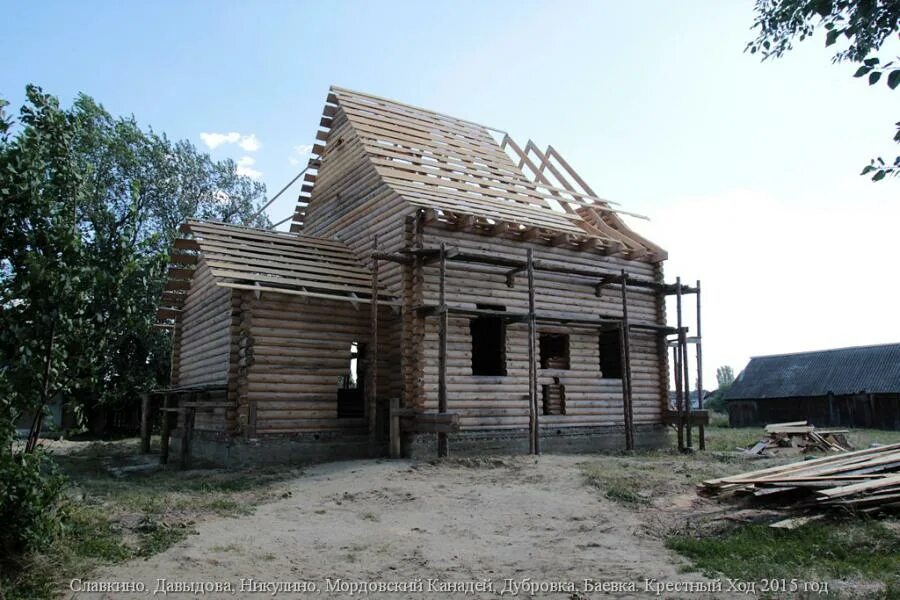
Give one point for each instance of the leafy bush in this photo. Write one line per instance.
(31, 503)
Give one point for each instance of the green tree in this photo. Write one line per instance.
(91, 204)
(724, 377)
(858, 28)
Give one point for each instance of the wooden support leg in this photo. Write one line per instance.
(395, 428)
(443, 445)
(534, 423)
(187, 435)
(146, 423)
(164, 432)
(701, 429)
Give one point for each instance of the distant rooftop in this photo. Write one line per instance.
(840, 371)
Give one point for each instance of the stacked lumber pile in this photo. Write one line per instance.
(865, 480)
(798, 436)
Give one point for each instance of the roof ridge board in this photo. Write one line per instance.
(375, 128)
(338, 89)
(311, 283)
(402, 150)
(279, 267)
(294, 241)
(525, 183)
(217, 245)
(478, 134)
(467, 184)
(252, 243)
(487, 212)
(491, 200)
(383, 298)
(344, 269)
(388, 122)
(499, 192)
(491, 212)
(283, 236)
(242, 228)
(509, 178)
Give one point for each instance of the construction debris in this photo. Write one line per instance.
(798, 437)
(865, 481)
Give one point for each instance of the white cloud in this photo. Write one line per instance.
(214, 140)
(245, 167)
(248, 142)
(301, 152)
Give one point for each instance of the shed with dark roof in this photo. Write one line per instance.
(857, 387)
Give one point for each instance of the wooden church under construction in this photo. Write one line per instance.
(442, 289)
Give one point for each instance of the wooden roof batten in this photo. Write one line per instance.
(248, 258)
(457, 171)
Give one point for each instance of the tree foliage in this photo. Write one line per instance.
(724, 377)
(857, 29)
(91, 204)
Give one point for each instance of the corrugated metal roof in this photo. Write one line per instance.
(839, 371)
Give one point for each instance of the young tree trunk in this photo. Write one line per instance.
(38, 421)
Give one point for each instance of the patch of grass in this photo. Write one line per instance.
(718, 419)
(834, 549)
(122, 507)
(728, 439)
(156, 536)
(90, 534)
(618, 485)
(720, 437)
(625, 492)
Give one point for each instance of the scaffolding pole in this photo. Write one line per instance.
(372, 388)
(533, 425)
(443, 446)
(701, 430)
(681, 372)
(626, 367)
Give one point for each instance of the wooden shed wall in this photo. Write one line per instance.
(203, 346)
(299, 349)
(591, 399)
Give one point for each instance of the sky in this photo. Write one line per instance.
(748, 170)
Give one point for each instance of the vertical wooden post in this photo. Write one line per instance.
(679, 399)
(683, 398)
(626, 367)
(443, 449)
(146, 423)
(533, 423)
(164, 430)
(701, 430)
(688, 404)
(187, 436)
(395, 428)
(372, 387)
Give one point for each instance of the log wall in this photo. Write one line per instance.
(203, 347)
(502, 401)
(292, 354)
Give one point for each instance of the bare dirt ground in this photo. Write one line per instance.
(455, 521)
